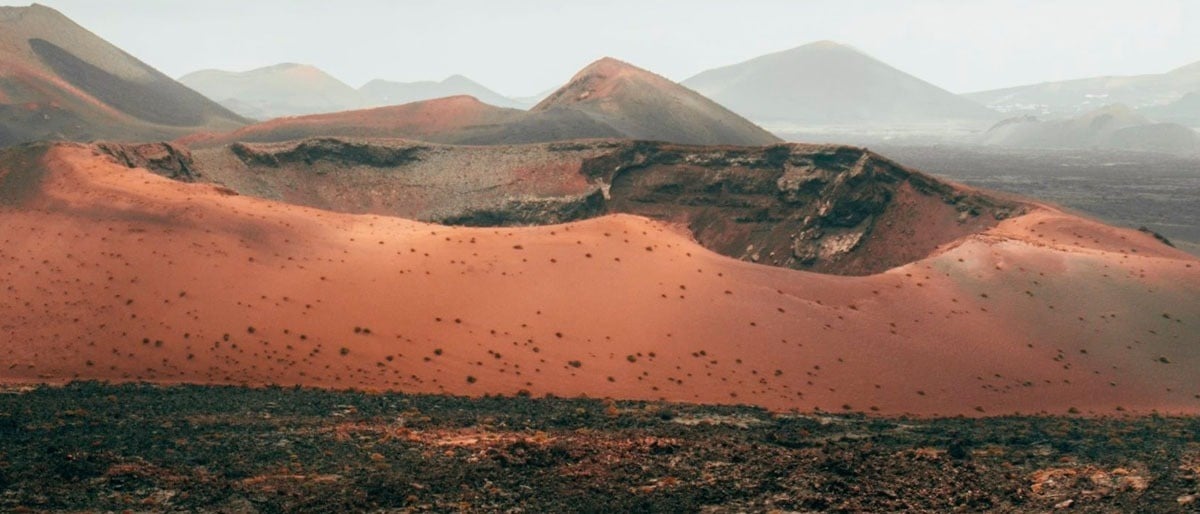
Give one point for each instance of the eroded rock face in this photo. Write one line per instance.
(332, 150)
(532, 211)
(832, 209)
(166, 159)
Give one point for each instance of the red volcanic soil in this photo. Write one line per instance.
(114, 273)
(420, 120)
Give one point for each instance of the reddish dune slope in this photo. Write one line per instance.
(443, 119)
(114, 273)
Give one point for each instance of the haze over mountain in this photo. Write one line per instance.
(291, 89)
(527, 102)
(1074, 97)
(826, 83)
(1115, 127)
(59, 81)
(377, 93)
(1184, 111)
(607, 99)
(287, 89)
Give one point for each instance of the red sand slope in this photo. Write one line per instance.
(427, 120)
(114, 273)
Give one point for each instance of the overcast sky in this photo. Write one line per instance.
(522, 47)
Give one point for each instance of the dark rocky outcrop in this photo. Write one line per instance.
(166, 159)
(531, 211)
(834, 209)
(331, 150)
(1156, 235)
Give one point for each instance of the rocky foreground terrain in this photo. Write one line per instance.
(89, 446)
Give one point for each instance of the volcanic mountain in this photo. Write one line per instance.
(1076, 97)
(1114, 127)
(59, 81)
(291, 89)
(826, 83)
(384, 92)
(114, 273)
(287, 89)
(642, 105)
(607, 99)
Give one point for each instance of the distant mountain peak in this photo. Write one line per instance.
(462, 81)
(9, 13)
(1187, 69)
(284, 89)
(830, 83)
(293, 67)
(827, 44)
(607, 62)
(378, 93)
(599, 80)
(607, 67)
(642, 104)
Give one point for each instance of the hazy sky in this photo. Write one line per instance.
(521, 47)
